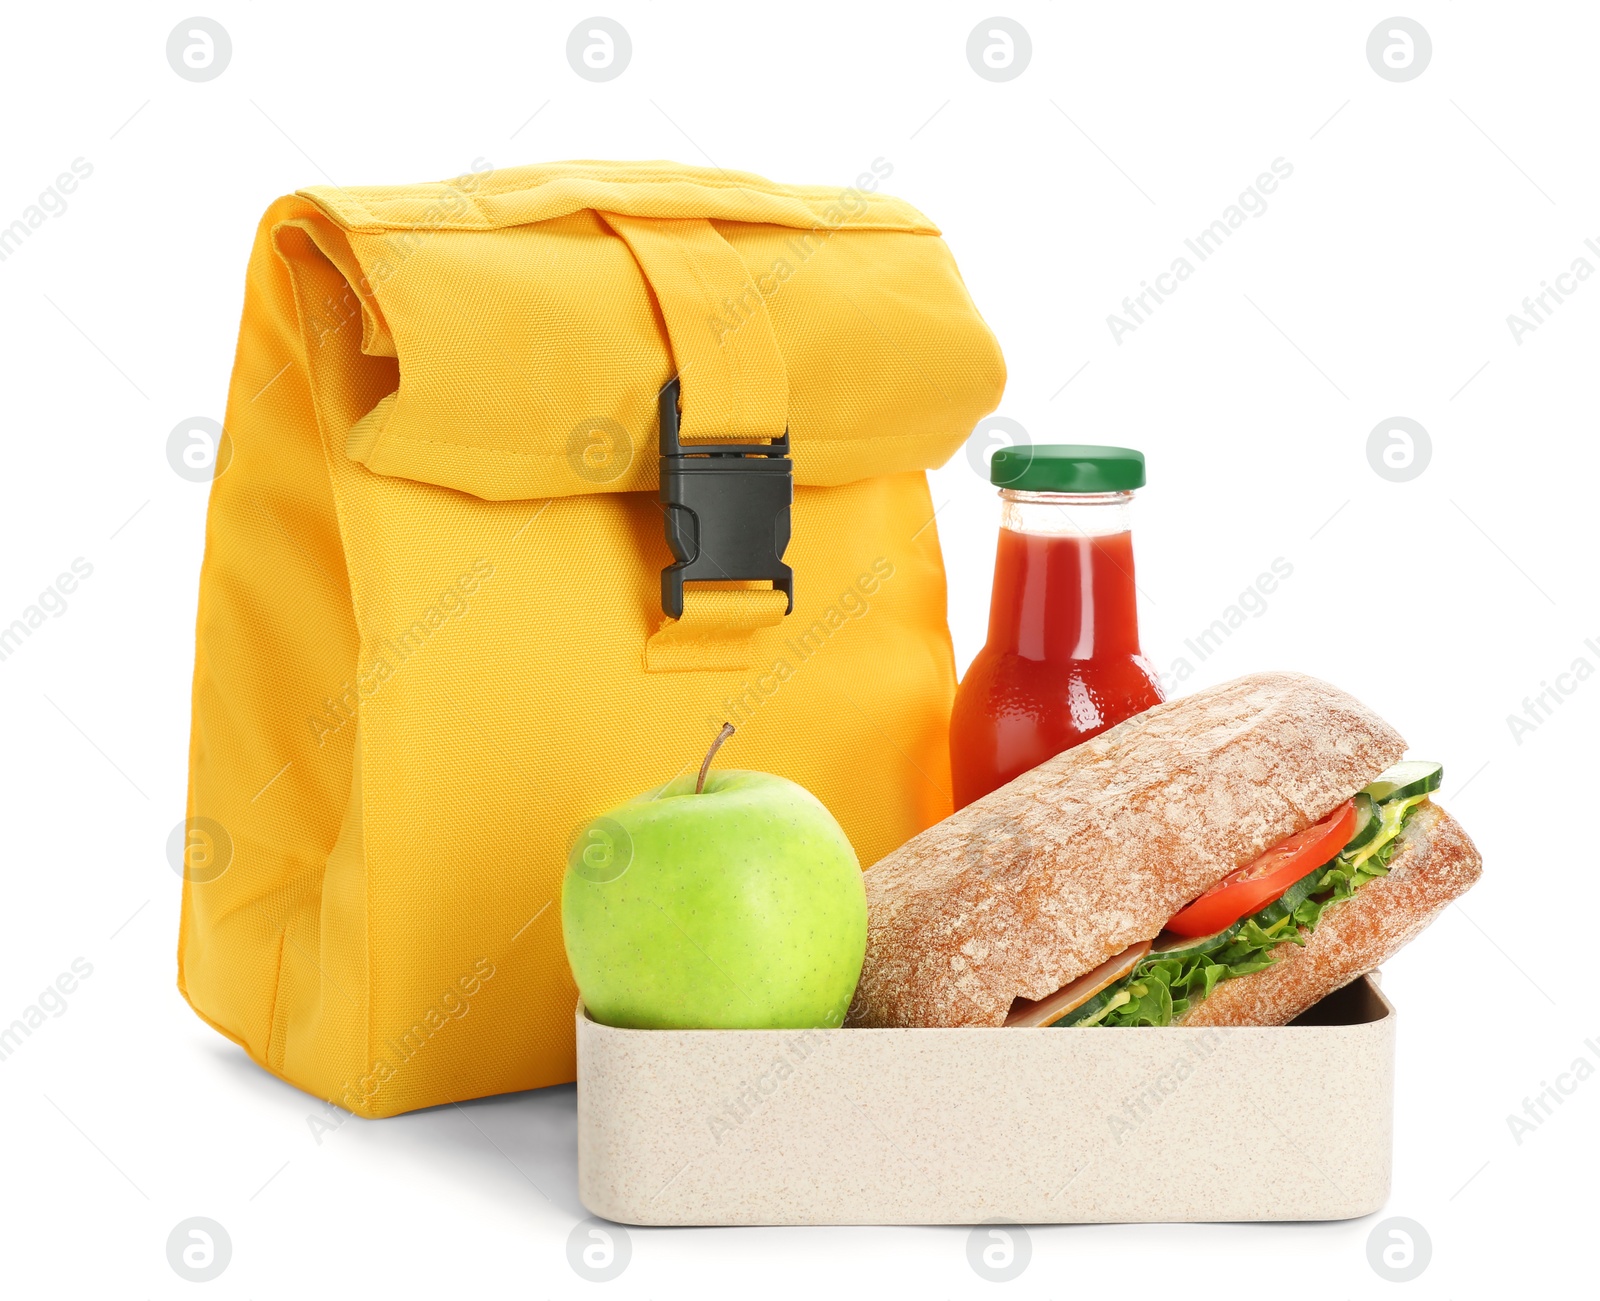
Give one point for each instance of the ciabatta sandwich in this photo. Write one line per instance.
(1226, 859)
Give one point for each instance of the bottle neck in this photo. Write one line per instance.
(1066, 514)
(1063, 583)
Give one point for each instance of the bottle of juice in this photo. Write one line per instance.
(1062, 662)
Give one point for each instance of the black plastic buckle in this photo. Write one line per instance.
(727, 508)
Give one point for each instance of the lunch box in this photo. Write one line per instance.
(964, 1126)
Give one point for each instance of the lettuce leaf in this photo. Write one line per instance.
(1161, 989)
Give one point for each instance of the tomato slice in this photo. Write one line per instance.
(1257, 884)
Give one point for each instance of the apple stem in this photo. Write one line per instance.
(723, 735)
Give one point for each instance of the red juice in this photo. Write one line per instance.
(1062, 663)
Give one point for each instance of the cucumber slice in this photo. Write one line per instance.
(1405, 780)
(1181, 947)
(1391, 818)
(1367, 821)
(1285, 904)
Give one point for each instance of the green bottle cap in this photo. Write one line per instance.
(1067, 467)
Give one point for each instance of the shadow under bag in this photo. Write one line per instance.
(434, 636)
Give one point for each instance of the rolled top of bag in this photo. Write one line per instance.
(520, 323)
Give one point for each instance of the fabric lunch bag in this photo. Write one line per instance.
(435, 634)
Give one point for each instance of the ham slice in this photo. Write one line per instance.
(1049, 1010)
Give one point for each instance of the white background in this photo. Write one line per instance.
(1377, 284)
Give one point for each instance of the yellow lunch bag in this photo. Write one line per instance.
(500, 533)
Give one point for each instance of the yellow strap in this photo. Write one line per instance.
(735, 383)
(735, 388)
(715, 630)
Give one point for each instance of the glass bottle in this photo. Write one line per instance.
(1063, 661)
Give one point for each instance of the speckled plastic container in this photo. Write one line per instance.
(960, 1126)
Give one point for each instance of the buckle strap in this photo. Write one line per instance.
(735, 382)
(726, 503)
(716, 630)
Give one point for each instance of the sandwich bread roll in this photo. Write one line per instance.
(1039, 882)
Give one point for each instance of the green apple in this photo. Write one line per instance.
(734, 902)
